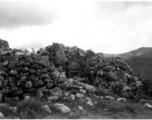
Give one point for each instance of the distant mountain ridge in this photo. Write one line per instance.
(138, 59)
(144, 52)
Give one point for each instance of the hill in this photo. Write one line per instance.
(138, 59)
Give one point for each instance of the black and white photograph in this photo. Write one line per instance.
(75, 59)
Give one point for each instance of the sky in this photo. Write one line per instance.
(103, 26)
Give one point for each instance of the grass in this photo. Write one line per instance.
(32, 109)
(6, 111)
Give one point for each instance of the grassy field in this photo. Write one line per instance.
(102, 109)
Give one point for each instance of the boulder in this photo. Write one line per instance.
(80, 108)
(39, 94)
(82, 91)
(52, 98)
(90, 88)
(138, 83)
(147, 105)
(39, 84)
(12, 64)
(79, 96)
(109, 98)
(112, 76)
(62, 77)
(121, 100)
(89, 102)
(73, 97)
(13, 72)
(28, 84)
(108, 68)
(126, 88)
(43, 76)
(4, 44)
(47, 108)
(23, 78)
(63, 108)
(1, 114)
(56, 91)
(69, 82)
(49, 85)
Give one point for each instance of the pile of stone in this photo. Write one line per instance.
(44, 73)
(22, 73)
(102, 72)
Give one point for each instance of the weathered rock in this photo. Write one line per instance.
(47, 108)
(62, 77)
(52, 98)
(43, 76)
(25, 69)
(108, 68)
(112, 76)
(90, 88)
(82, 91)
(47, 80)
(13, 72)
(147, 105)
(39, 94)
(39, 84)
(32, 70)
(3, 69)
(5, 63)
(1, 97)
(23, 78)
(63, 108)
(1, 114)
(56, 73)
(11, 80)
(28, 84)
(49, 85)
(56, 91)
(79, 96)
(27, 97)
(72, 97)
(89, 102)
(81, 108)
(121, 100)
(109, 98)
(12, 64)
(69, 82)
(126, 88)
(138, 83)
(1, 78)
(4, 44)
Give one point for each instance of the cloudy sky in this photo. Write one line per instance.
(103, 26)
